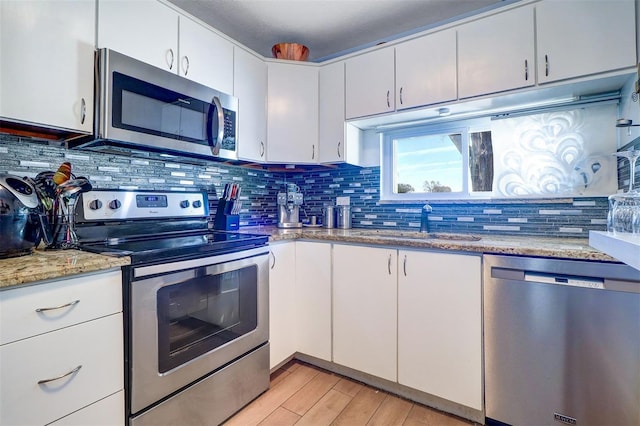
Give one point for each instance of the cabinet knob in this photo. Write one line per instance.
(388, 103)
(339, 143)
(261, 149)
(401, 95)
(526, 70)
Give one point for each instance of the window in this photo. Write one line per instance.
(437, 162)
(564, 152)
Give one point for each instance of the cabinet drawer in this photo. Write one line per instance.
(106, 412)
(96, 346)
(97, 295)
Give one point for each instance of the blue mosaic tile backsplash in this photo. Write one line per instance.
(564, 217)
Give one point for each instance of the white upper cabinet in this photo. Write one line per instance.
(426, 70)
(292, 111)
(250, 87)
(204, 56)
(144, 29)
(46, 69)
(370, 83)
(496, 53)
(155, 33)
(331, 118)
(581, 38)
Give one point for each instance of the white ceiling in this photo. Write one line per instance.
(328, 28)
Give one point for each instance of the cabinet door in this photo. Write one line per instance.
(292, 113)
(370, 83)
(46, 69)
(313, 299)
(282, 313)
(53, 305)
(143, 29)
(96, 347)
(426, 70)
(331, 140)
(205, 57)
(250, 87)
(365, 309)
(576, 39)
(106, 412)
(440, 325)
(496, 53)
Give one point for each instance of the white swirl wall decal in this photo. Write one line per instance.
(562, 153)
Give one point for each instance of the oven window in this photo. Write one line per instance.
(203, 313)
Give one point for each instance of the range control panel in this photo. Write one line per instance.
(98, 205)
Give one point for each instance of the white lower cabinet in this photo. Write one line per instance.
(282, 302)
(407, 316)
(440, 325)
(365, 309)
(313, 299)
(106, 412)
(64, 352)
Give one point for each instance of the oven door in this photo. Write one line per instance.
(190, 318)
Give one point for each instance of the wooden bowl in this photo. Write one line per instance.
(290, 51)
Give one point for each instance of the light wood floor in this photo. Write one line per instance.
(302, 394)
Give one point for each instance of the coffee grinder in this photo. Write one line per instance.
(289, 203)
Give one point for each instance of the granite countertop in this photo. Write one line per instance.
(51, 264)
(566, 248)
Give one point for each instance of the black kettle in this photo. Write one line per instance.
(23, 223)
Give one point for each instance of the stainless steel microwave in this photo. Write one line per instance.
(139, 107)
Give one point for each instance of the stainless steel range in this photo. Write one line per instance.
(196, 304)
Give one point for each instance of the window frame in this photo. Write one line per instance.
(387, 155)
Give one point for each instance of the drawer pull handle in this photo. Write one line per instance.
(66, 305)
(45, 381)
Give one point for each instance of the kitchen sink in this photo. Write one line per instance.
(412, 235)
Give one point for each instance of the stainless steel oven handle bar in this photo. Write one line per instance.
(144, 271)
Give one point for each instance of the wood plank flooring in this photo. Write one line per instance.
(302, 394)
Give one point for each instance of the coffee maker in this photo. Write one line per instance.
(289, 203)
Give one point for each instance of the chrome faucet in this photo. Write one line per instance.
(424, 218)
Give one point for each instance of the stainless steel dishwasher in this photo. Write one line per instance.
(562, 342)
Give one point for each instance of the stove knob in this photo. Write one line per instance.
(115, 204)
(95, 205)
(184, 204)
(197, 204)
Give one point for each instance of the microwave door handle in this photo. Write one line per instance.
(215, 143)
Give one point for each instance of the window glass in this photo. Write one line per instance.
(557, 153)
(429, 163)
